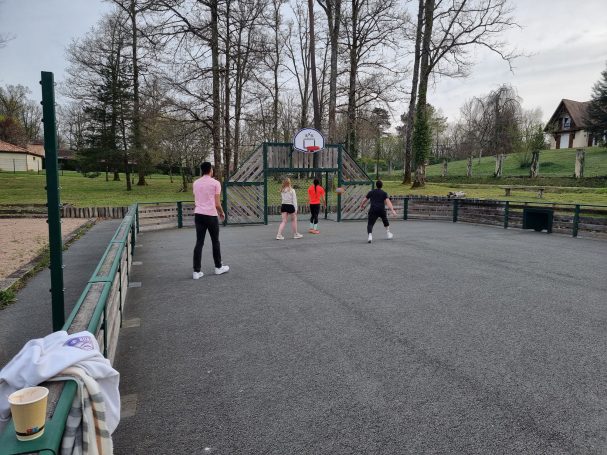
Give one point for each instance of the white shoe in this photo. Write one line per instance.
(197, 275)
(297, 235)
(370, 239)
(222, 269)
(280, 237)
(389, 235)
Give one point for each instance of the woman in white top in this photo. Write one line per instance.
(288, 207)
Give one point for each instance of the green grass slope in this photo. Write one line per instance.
(27, 188)
(553, 163)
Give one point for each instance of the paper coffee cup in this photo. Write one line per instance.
(28, 407)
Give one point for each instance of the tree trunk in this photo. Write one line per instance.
(334, 21)
(535, 164)
(499, 165)
(351, 123)
(580, 158)
(116, 176)
(141, 157)
(276, 68)
(421, 114)
(412, 101)
(184, 180)
(241, 65)
(469, 166)
(227, 149)
(216, 124)
(315, 101)
(444, 171)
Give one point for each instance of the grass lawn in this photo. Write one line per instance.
(563, 195)
(24, 188)
(553, 163)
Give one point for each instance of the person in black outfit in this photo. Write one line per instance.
(379, 199)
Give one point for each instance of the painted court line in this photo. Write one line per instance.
(134, 322)
(128, 405)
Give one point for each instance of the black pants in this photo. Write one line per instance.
(204, 223)
(373, 216)
(314, 211)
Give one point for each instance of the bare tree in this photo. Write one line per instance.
(189, 30)
(72, 125)
(460, 26)
(315, 100)
(298, 51)
(22, 116)
(246, 58)
(332, 9)
(371, 29)
(99, 78)
(133, 9)
(421, 133)
(408, 130)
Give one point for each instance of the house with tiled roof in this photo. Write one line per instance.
(64, 156)
(567, 126)
(18, 159)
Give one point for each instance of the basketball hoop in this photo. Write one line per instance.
(308, 140)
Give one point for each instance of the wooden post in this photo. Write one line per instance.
(444, 171)
(469, 167)
(580, 158)
(499, 165)
(535, 164)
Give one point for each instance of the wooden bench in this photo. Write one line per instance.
(540, 190)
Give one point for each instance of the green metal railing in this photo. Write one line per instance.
(454, 207)
(96, 292)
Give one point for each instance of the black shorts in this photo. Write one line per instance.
(289, 208)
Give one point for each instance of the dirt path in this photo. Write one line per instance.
(21, 239)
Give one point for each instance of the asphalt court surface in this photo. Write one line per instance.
(450, 338)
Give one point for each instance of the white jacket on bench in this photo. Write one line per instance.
(43, 358)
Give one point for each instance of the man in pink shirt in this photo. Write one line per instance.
(208, 209)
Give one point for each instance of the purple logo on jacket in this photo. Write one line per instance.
(84, 342)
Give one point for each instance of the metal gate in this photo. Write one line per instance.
(250, 194)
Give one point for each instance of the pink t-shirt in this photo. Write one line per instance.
(205, 189)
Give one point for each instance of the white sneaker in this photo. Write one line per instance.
(222, 269)
(280, 237)
(197, 275)
(370, 239)
(389, 235)
(297, 235)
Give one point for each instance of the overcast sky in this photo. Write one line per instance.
(567, 42)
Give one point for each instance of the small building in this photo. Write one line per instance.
(567, 126)
(14, 158)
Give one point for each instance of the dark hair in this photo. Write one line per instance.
(316, 183)
(379, 184)
(206, 167)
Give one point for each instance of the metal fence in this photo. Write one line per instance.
(571, 219)
(98, 310)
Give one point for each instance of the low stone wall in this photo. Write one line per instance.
(67, 211)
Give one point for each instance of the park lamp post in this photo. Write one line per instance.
(53, 199)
